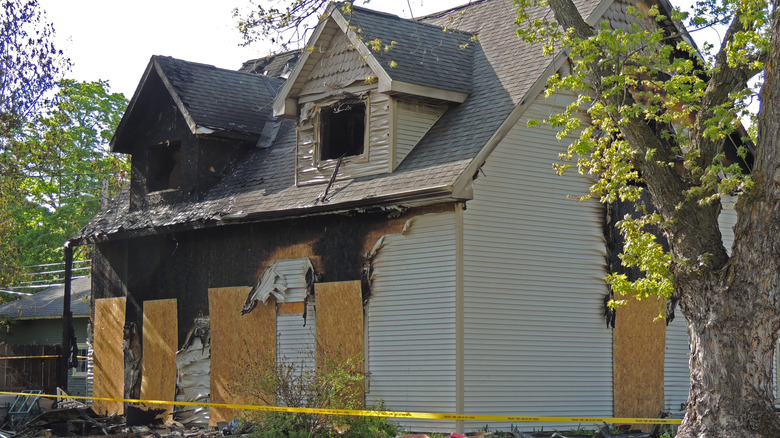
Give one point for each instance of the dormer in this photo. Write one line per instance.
(367, 89)
(187, 123)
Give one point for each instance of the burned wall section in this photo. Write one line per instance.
(185, 265)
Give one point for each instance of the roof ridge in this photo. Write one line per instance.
(201, 64)
(417, 20)
(450, 10)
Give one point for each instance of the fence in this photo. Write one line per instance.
(22, 367)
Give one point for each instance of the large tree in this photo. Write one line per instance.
(29, 68)
(64, 168)
(656, 116)
(664, 120)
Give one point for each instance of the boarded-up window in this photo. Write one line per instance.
(239, 344)
(108, 356)
(160, 341)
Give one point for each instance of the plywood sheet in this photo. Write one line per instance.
(339, 321)
(239, 344)
(291, 308)
(108, 357)
(638, 355)
(160, 342)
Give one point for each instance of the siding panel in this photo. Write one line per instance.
(535, 341)
(411, 322)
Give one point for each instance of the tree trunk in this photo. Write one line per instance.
(732, 339)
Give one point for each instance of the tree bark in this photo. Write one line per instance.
(732, 303)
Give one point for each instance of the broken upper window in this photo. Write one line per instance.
(164, 167)
(342, 130)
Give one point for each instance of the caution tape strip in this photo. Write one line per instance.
(51, 356)
(386, 414)
(30, 357)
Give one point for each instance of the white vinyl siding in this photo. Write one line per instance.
(411, 322)
(412, 121)
(535, 339)
(676, 372)
(294, 342)
(375, 159)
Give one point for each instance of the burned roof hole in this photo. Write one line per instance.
(342, 130)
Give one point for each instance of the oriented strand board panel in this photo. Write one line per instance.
(638, 356)
(108, 357)
(240, 344)
(160, 339)
(339, 320)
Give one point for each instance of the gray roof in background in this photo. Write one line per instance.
(502, 71)
(424, 54)
(278, 65)
(48, 302)
(218, 98)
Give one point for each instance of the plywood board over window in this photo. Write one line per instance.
(638, 355)
(339, 322)
(240, 346)
(108, 356)
(160, 341)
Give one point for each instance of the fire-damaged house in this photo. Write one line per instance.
(385, 199)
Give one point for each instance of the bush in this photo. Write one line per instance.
(331, 385)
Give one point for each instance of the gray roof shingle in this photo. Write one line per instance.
(218, 98)
(501, 71)
(48, 302)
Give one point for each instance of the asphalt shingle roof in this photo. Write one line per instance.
(218, 98)
(501, 70)
(48, 302)
(423, 54)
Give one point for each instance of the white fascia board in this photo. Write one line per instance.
(398, 87)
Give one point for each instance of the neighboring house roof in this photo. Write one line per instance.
(506, 74)
(278, 66)
(211, 99)
(47, 303)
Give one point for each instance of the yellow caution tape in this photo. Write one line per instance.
(30, 357)
(387, 414)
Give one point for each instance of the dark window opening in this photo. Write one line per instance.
(164, 167)
(342, 130)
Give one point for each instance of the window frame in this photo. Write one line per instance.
(153, 154)
(75, 371)
(359, 158)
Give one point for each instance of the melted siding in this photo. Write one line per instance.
(411, 322)
(376, 160)
(535, 341)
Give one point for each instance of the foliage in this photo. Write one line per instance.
(29, 62)
(331, 385)
(650, 74)
(60, 169)
(29, 68)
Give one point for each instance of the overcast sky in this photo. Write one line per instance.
(113, 40)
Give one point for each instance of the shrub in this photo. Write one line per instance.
(331, 385)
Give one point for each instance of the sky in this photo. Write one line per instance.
(113, 40)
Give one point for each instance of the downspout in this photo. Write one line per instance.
(67, 319)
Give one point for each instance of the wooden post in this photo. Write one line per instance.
(67, 317)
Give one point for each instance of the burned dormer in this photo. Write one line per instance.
(187, 124)
(367, 89)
